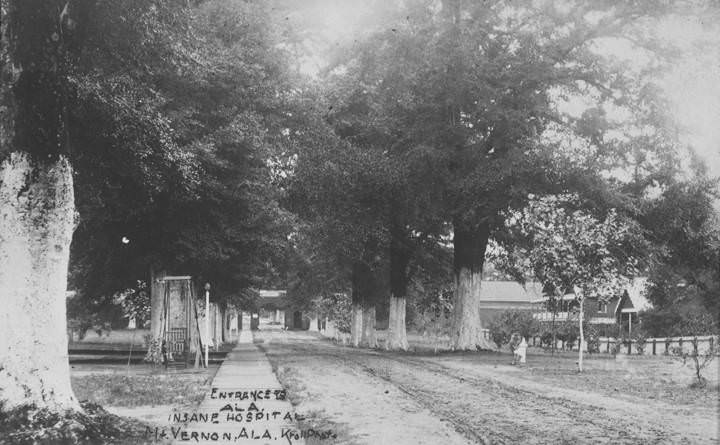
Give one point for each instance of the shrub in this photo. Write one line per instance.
(696, 325)
(505, 323)
(592, 338)
(154, 350)
(640, 342)
(546, 339)
(499, 333)
(699, 359)
(568, 332)
(661, 323)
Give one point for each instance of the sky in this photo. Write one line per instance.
(693, 86)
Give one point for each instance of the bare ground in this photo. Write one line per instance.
(398, 398)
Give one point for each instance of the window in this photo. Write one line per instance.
(603, 307)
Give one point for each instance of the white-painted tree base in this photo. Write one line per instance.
(467, 326)
(37, 219)
(397, 332)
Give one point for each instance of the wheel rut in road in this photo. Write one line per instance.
(487, 410)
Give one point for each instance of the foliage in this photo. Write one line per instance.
(155, 351)
(135, 303)
(677, 321)
(430, 305)
(699, 324)
(206, 204)
(684, 223)
(568, 332)
(504, 324)
(661, 323)
(450, 116)
(99, 314)
(640, 341)
(28, 425)
(569, 250)
(337, 307)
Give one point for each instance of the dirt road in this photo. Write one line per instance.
(393, 398)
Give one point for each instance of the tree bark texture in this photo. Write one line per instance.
(397, 332)
(362, 325)
(582, 336)
(364, 296)
(313, 325)
(399, 262)
(356, 324)
(470, 244)
(369, 334)
(37, 208)
(37, 214)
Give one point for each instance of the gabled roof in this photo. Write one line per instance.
(510, 291)
(637, 292)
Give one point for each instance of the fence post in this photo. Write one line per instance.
(607, 348)
(629, 343)
(680, 342)
(712, 341)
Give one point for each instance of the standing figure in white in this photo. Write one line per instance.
(521, 351)
(518, 346)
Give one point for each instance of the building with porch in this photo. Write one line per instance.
(498, 296)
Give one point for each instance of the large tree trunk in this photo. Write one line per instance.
(37, 214)
(369, 334)
(356, 320)
(362, 330)
(314, 321)
(37, 209)
(469, 245)
(399, 261)
(362, 325)
(356, 323)
(397, 332)
(582, 335)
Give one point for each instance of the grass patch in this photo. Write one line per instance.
(137, 390)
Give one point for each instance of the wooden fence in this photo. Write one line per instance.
(658, 346)
(651, 346)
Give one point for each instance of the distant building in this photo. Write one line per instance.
(633, 301)
(498, 296)
(276, 305)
